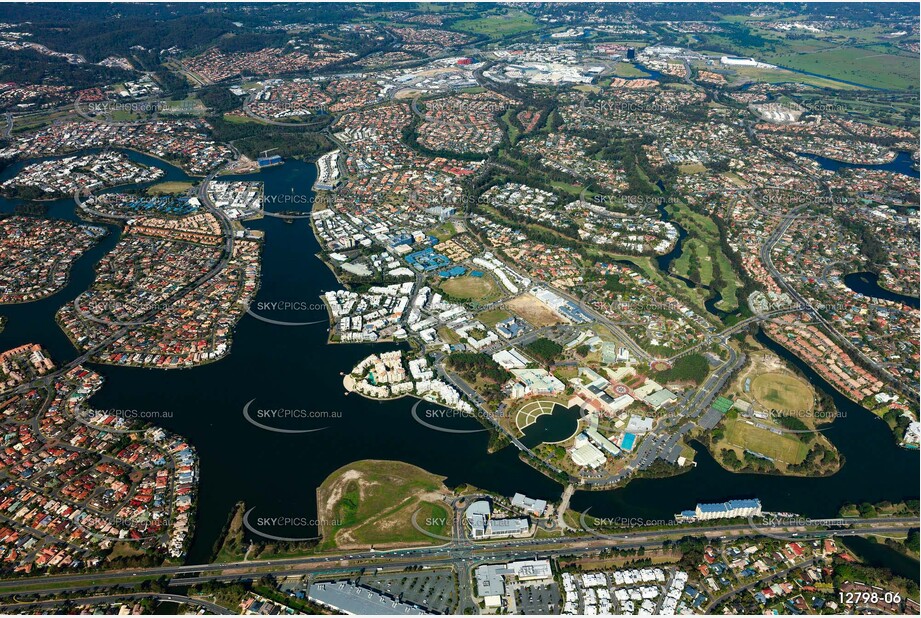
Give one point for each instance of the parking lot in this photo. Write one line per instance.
(538, 599)
(434, 590)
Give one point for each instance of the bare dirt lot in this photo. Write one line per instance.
(536, 313)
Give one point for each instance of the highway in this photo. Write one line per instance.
(735, 328)
(214, 608)
(464, 552)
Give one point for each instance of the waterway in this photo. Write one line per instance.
(878, 554)
(294, 368)
(902, 164)
(867, 283)
(664, 262)
(874, 469)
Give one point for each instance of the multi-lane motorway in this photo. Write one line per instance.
(53, 604)
(450, 554)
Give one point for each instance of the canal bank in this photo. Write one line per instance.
(902, 164)
(874, 469)
(867, 283)
(664, 262)
(875, 553)
(293, 368)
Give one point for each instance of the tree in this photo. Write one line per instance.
(731, 459)
(545, 349)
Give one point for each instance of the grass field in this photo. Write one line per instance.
(481, 289)
(510, 23)
(510, 127)
(173, 186)
(863, 56)
(448, 335)
(444, 231)
(694, 248)
(493, 316)
(123, 115)
(782, 392)
(885, 109)
(776, 76)
(236, 118)
(233, 546)
(692, 168)
(626, 69)
(704, 242)
(124, 549)
(372, 503)
(784, 448)
(858, 65)
(38, 120)
(191, 105)
(574, 190)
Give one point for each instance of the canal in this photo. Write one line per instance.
(902, 164)
(294, 368)
(876, 553)
(867, 283)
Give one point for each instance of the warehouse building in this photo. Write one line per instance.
(354, 600)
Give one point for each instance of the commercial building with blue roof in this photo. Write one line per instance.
(722, 510)
(729, 509)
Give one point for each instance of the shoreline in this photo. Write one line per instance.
(348, 382)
